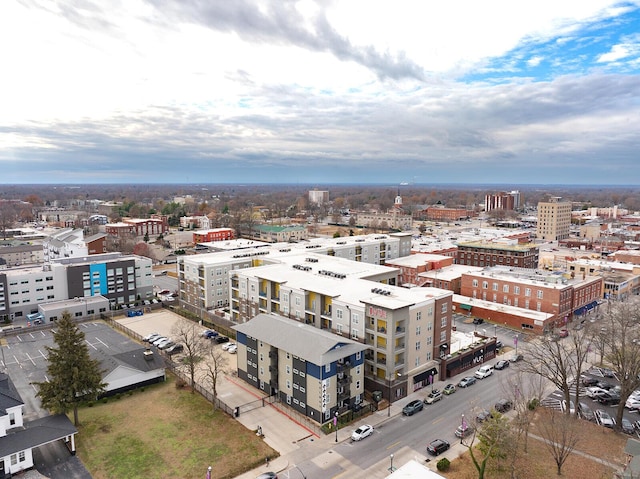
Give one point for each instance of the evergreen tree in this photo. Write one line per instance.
(73, 376)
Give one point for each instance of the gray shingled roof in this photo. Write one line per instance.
(304, 341)
(9, 396)
(133, 359)
(36, 433)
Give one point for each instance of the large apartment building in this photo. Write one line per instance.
(119, 278)
(204, 278)
(554, 219)
(313, 371)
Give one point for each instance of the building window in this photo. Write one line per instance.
(505, 288)
(539, 294)
(418, 316)
(288, 369)
(339, 328)
(354, 334)
(443, 322)
(354, 318)
(474, 283)
(485, 285)
(417, 345)
(417, 330)
(527, 291)
(339, 313)
(288, 384)
(495, 286)
(443, 336)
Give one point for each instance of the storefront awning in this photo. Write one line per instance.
(466, 306)
(425, 375)
(591, 305)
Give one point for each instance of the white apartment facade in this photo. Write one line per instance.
(554, 219)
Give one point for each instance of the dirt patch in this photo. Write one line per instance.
(537, 462)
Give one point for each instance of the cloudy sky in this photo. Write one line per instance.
(320, 91)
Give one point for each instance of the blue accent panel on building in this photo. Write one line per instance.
(241, 338)
(313, 370)
(101, 269)
(327, 374)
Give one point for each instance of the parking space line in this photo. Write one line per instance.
(29, 358)
(103, 343)
(90, 344)
(42, 354)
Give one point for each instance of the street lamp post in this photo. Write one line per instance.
(391, 468)
(462, 430)
(432, 377)
(335, 424)
(495, 330)
(396, 374)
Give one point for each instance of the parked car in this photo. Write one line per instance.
(502, 364)
(517, 358)
(149, 336)
(604, 384)
(466, 382)
(176, 348)
(608, 373)
(160, 344)
(484, 372)
(438, 446)
(226, 346)
(604, 418)
(233, 349)
(633, 403)
(267, 475)
(503, 405)
(585, 412)
(166, 345)
(412, 407)
(449, 389)
(588, 381)
(498, 344)
(608, 398)
(362, 432)
(593, 391)
(483, 415)
(209, 333)
(221, 339)
(627, 426)
(157, 341)
(478, 320)
(463, 430)
(434, 396)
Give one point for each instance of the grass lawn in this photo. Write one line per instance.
(538, 463)
(165, 432)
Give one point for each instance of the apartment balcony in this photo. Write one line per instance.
(399, 345)
(345, 380)
(326, 314)
(262, 294)
(343, 393)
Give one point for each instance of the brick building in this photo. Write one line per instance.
(440, 213)
(504, 253)
(138, 227)
(411, 266)
(559, 294)
(216, 234)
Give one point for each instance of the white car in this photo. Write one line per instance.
(149, 336)
(484, 372)
(233, 349)
(594, 391)
(159, 340)
(604, 419)
(633, 403)
(362, 432)
(226, 346)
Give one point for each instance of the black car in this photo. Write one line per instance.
(501, 364)
(478, 320)
(438, 446)
(176, 348)
(221, 339)
(608, 398)
(585, 412)
(607, 373)
(604, 384)
(499, 344)
(589, 381)
(503, 405)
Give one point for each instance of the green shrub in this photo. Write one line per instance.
(90, 404)
(443, 464)
(104, 400)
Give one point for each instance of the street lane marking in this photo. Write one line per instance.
(393, 445)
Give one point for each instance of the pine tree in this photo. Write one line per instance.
(73, 376)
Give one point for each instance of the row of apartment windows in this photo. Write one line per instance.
(505, 288)
(26, 281)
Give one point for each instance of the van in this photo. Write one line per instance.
(484, 372)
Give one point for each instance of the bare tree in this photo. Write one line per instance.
(7, 217)
(527, 389)
(560, 361)
(195, 346)
(619, 333)
(561, 434)
(215, 364)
